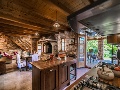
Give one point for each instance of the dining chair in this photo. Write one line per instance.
(35, 57)
(20, 63)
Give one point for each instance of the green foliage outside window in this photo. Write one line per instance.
(93, 44)
(108, 49)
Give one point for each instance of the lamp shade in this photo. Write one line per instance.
(56, 24)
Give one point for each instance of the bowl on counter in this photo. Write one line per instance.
(105, 74)
(116, 73)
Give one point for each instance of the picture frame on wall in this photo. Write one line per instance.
(72, 41)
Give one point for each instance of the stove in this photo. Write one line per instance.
(93, 83)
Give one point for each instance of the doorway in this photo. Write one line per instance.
(92, 53)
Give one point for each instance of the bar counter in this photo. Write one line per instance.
(52, 74)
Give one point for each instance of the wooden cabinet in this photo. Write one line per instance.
(36, 79)
(51, 79)
(64, 75)
(51, 75)
(113, 39)
(46, 79)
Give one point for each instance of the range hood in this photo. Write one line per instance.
(49, 38)
(104, 18)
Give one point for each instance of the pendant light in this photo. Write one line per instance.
(56, 24)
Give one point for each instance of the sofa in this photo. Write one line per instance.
(6, 59)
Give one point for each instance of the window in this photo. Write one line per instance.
(63, 45)
(81, 48)
(39, 48)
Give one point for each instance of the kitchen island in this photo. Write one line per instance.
(52, 74)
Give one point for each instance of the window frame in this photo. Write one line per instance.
(63, 45)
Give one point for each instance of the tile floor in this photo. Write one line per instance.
(23, 80)
(92, 64)
(16, 81)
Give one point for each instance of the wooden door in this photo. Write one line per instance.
(64, 75)
(51, 78)
(81, 52)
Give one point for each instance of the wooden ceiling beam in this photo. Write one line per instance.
(36, 12)
(61, 6)
(17, 15)
(24, 25)
(22, 32)
(4, 27)
(9, 27)
(91, 1)
(26, 11)
(11, 32)
(96, 38)
(19, 23)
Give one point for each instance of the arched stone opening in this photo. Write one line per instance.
(47, 47)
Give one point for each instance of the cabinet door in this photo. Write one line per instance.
(51, 78)
(64, 75)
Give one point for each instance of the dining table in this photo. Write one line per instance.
(27, 59)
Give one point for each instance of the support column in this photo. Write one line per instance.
(100, 49)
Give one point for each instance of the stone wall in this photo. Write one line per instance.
(68, 46)
(52, 42)
(56, 45)
(7, 44)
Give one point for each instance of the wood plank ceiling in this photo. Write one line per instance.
(26, 17)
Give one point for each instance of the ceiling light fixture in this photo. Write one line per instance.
(36, 34)
(56, 24)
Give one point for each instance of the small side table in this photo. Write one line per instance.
(2, 67)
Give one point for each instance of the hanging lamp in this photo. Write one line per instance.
(56, 24)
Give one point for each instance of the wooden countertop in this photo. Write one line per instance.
(50, 63)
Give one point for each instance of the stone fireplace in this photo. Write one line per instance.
(47, 47)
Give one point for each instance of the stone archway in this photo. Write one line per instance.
(47, 47)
